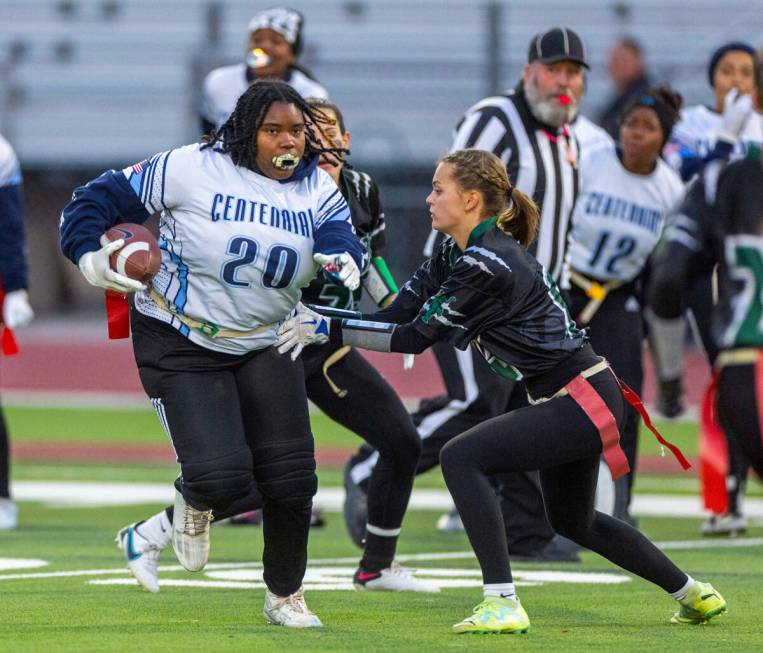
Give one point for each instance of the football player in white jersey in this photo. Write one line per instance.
(15, 311)
(247, 219)
(626, 194)
(272, 50)
(733, 127)
(346, 387)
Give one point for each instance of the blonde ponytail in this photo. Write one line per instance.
(521, 218)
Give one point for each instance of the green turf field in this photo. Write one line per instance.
(81, 610)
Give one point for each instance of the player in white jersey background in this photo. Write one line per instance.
(273, 48)
(15, 310)
(727, 130)
(700, 127)
(626, 195)
(247, 217)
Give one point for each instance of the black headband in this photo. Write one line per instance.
(665, 113)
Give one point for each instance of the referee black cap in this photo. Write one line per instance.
(557, 44)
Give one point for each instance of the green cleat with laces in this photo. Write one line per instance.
(495, 615)
(701, 604)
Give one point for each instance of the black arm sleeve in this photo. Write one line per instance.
(377, 336)
(684, 253)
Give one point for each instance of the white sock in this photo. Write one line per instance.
(157, 529)
(503, 590)
(680, 595)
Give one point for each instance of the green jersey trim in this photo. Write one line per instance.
(480, 230)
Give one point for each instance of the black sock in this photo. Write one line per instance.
(378, 552)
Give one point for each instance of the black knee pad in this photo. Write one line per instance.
(217, 483)
(286, 472)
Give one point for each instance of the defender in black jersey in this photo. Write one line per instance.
(483, 288)
(722, 221)
(346, 387)
(528, 128)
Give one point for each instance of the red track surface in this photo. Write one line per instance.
(102, 366)
(160, 454)
(109, 367)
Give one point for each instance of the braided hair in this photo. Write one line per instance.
(237, 136)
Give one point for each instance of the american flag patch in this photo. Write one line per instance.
(138, 167)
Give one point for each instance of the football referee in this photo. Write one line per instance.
(528, 128)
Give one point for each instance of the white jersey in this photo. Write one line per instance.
(236, 246)
(10, 171)
(590, 136)
(619, 216)
(224, 86)
(696, 133)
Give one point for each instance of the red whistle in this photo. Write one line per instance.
(564, 99)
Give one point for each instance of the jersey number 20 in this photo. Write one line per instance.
(281, 263)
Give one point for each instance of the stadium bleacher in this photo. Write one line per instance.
(98, 82)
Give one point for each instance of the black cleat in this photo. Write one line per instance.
(670, 397)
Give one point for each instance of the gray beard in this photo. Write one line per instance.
(550, 111)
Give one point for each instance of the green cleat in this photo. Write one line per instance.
(495, 615)
(701, 604)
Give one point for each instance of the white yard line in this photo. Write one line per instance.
(324, 571)
(92, 494)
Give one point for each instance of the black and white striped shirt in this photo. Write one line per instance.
(541, 160)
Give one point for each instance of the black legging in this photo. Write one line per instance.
(739, 412)
(372, 410)
(558, 438)
(616, 333)
(4, 459)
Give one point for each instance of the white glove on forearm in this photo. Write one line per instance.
(304, 327)
(342, 266)
(96, 269)
(17, 313)
(737, 108)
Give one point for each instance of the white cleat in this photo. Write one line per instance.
(290, 611)
(729, 524)
(450, 522)
(190, 534)
(392, 579)
(142, 556)
(9, 514)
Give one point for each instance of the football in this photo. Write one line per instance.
(140, 257)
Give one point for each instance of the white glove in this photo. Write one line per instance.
(96, 269)
(737, 108)
(304, 327)
(342, 266)
(17, 312)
